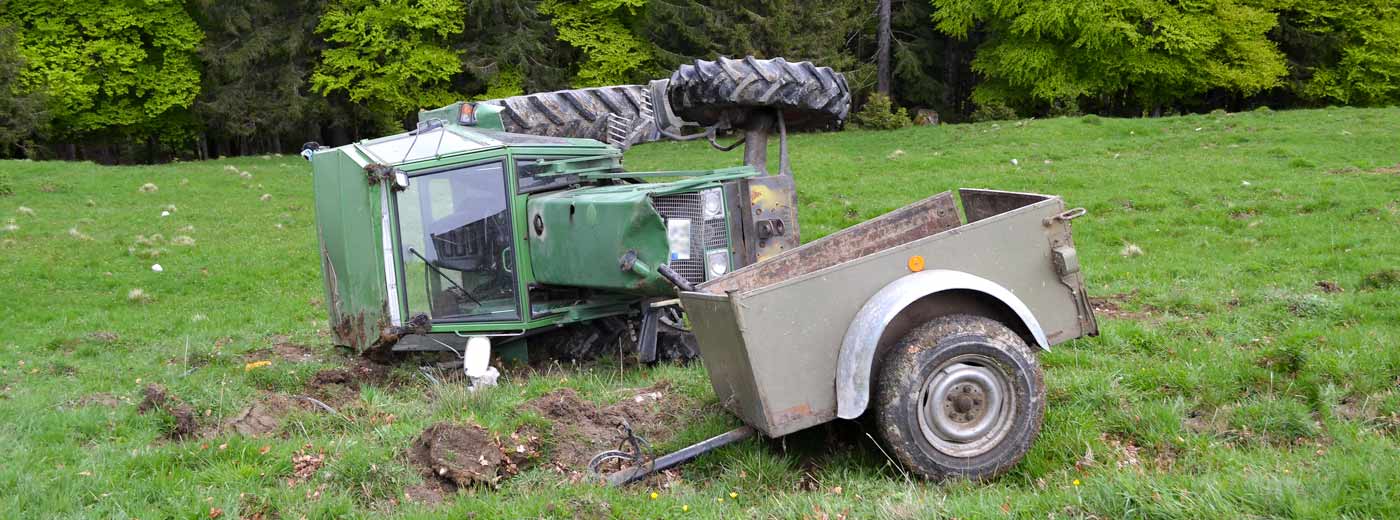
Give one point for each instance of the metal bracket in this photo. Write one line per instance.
(1065, 216)
(647, 337)
(769, 228)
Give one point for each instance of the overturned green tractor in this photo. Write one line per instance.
(510, 226)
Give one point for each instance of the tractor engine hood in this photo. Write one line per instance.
(579, 237)
(618, 237)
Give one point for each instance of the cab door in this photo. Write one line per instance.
(457, 245)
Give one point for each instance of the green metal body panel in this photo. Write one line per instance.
(488, 117)
(577, 237)
(348, 214)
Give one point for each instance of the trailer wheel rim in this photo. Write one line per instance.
(966, 406)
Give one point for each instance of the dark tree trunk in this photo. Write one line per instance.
(882, 50)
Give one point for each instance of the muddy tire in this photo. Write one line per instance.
(960, 397)
(581, 113)
(809, 96)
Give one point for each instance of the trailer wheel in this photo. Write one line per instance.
(961, 396)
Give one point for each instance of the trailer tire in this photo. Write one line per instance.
(960, 397)
(708, 92)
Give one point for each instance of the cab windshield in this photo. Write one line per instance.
(455, 242)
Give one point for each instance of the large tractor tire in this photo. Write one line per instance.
(582, 113)
(711, 92)
(960, 397)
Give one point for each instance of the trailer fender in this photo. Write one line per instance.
(858, 348)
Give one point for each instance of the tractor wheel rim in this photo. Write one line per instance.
(966, 406)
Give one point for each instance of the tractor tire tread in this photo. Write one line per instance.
(577, 113)
(808, 96)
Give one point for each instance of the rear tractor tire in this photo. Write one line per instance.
(960, 397)
(711, 92)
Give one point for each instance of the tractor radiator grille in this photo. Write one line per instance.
(704, 234)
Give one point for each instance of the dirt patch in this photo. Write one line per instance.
(581, 429)
(1382, 279)
(1367, 409)
(337, 386)
(1112, 307)
(1123, 450)
(1243, 215)
(158, 399)
(466, 455)
(1328, 286)
(264, 416)
(425, 493)
(104, 336)
(1382, 170)
(103, 399)
(289, 352)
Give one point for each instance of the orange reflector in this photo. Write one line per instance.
(467, 117)
(916, 263)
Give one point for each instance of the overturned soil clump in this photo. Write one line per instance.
(1112, 306)
(581, 429)
(1328, 286)
(465, 455)
(340, 385)
(158, 399)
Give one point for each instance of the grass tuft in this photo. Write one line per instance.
(138, 295)
(1382, 279)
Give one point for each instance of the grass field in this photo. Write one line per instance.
(1247, 365)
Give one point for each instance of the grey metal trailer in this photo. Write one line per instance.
(928, 320)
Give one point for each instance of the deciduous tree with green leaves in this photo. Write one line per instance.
(392, 56)
(603, 31)
(1145, 53)
(123, 70)
(1343, 51)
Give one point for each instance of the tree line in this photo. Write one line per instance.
(150, 80)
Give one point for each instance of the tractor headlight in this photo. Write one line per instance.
(711, 204)
(717, 263)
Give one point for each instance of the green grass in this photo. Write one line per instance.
(1245, 390)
